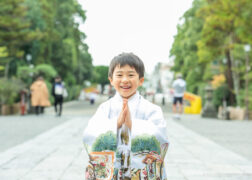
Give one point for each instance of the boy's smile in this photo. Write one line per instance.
(126, 80)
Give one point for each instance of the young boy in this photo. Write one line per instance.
(126, 137)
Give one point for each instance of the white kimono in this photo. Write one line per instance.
(147, 147)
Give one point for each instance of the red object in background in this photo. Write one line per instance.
(22, 103)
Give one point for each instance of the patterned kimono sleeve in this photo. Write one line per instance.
(99, 139)
(149, 145)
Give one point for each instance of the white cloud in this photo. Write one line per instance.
(144, 27)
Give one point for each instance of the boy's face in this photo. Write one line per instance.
(125, 80)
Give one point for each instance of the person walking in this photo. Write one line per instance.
(58, 90)
(39, 95)
(92, 97)
(179, 88)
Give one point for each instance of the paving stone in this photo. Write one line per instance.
(58, 154)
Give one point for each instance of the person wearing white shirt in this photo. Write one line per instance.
(179, 87)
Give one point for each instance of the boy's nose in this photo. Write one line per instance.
(124, 79)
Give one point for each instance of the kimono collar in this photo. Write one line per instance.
(135, 97)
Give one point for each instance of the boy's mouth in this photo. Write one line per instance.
(125, 87)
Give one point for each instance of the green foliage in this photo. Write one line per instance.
(211, 32)
(3, 52)
(85, 67)
(48, 30)
(145, 143)
(224, 27)
(28, 74)
(193, 79)
(101, 75)
(45, 70)
(70, 53)
(242, 96)
(49, 87)
(106, 141)
(184, 49)
(220, 94)
(25, 73)
(73, 92)
(15, 30)
(9, 90)
(250, 96)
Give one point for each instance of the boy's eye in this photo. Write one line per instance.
(119, 75)
(131, 75)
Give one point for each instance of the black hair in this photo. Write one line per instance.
(127, 59)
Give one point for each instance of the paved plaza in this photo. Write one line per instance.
(58, 154)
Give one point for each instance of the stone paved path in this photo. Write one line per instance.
(194, 157)
(58, 154)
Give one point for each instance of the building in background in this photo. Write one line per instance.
(159, 82)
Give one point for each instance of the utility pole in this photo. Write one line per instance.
(247, 49)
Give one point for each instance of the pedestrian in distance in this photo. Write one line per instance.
(58, 92)
(92, 97)
(179, 88)
(126, 137)
(39, 95)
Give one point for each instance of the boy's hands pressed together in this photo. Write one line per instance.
(122, 114)
(127, 120)
(124, 117)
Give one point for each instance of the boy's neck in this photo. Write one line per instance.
(136, 93)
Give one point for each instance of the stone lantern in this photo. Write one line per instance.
(209, 109)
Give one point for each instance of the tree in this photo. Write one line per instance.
(41, 14)
(61, 43)
(220, 34)
(101, 76)
(9, 90)
(210, 41)
(3, 55)
(14, 30)
(71, 53)
(184, 49)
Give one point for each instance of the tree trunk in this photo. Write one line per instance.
(247, 88)
(6, 70)
(229, 78)
(236, 79)
(102, 88)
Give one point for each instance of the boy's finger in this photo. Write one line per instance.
(128, 121)
(125, 102)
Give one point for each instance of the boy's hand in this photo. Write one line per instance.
(121, 117)
(127, 120)
(124, 116)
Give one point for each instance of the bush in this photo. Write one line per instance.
(219, 94)
(73, 92)
(25, 73)
(9, 90)
(45, 70)
(242, 96)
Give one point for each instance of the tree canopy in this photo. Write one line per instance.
(47, 31)
(210, 42)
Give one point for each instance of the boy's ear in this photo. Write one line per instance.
(141, 80)
(110, 80)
